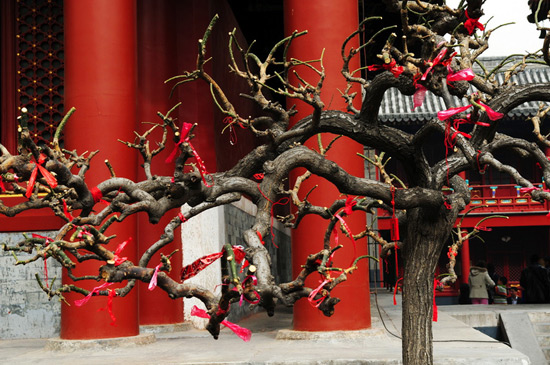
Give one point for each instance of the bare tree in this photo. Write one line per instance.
(424, 215)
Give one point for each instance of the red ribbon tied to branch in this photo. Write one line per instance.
(392, 67)
(47, 241)
(198, 265)
(311, 297)
(109, 307)
(471, 24)
(185, 129)
(446, 114)
(50, 179)
(153, 282)
(81, 302)
(119, 260)
(244, 333)
(463, 75)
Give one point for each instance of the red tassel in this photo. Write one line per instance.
(394, 229)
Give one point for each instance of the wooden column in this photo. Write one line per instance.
(157, 62)
(100, 82)
(328, 24)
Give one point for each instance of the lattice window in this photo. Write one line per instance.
(39, 48)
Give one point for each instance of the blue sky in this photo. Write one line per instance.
(521, 37)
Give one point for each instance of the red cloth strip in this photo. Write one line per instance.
(109, 307)
(395, 289)
(244, 333)
(311, 297)
(120, 247)
(349, 232)
(198, 265)
(153, 282)
(471, 24)
(81, 302)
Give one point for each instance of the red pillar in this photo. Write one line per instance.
(100, 82)
(465, 261)
(157, 61)
(328, 24)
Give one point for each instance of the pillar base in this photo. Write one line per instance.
(376, 331)
(57, 344)
(165, 328)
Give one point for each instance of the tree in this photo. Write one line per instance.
(421, 60)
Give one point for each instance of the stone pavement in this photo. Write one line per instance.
(455, 343)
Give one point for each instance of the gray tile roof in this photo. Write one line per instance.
(397, 108)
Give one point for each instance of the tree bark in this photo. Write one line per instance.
(426, 234)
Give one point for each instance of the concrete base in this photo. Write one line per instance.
(165, 328)
(329, 335)
(57, 344)
(521, 335)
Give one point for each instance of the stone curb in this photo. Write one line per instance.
(57, 344)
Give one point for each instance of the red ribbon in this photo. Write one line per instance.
(47, 241)
(182, 217)
(311, 297)
(232, 131)
(472, 23)
(438, 60)
(2, 186)
(451, 253)
(254, 282)
(185, 128)
(419, 95)
(153, 282)
(97, 195)
(349, 232)
(434, 318)
(243, 333)
(81, 302)
(260, 237)
(392, 67)
(240, 256)
(350, 203)
(120, 260)
(394, 222)
(66, 211)
(198, 265)
(395, 288)
(50, 179)
(109, 307)
(462, 75)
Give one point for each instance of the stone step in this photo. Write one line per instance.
(544, 341)
(546, 352)
(542, 328)
(539, 317)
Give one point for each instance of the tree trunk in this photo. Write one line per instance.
(427, 232)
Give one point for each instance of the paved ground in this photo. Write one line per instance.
(455, 343)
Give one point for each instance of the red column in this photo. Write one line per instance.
(328, 24)
(100, 82)
(465, 261)
(157, 61)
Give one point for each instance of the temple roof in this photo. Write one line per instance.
(398, 108)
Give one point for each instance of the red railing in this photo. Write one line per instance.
(503, 198)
